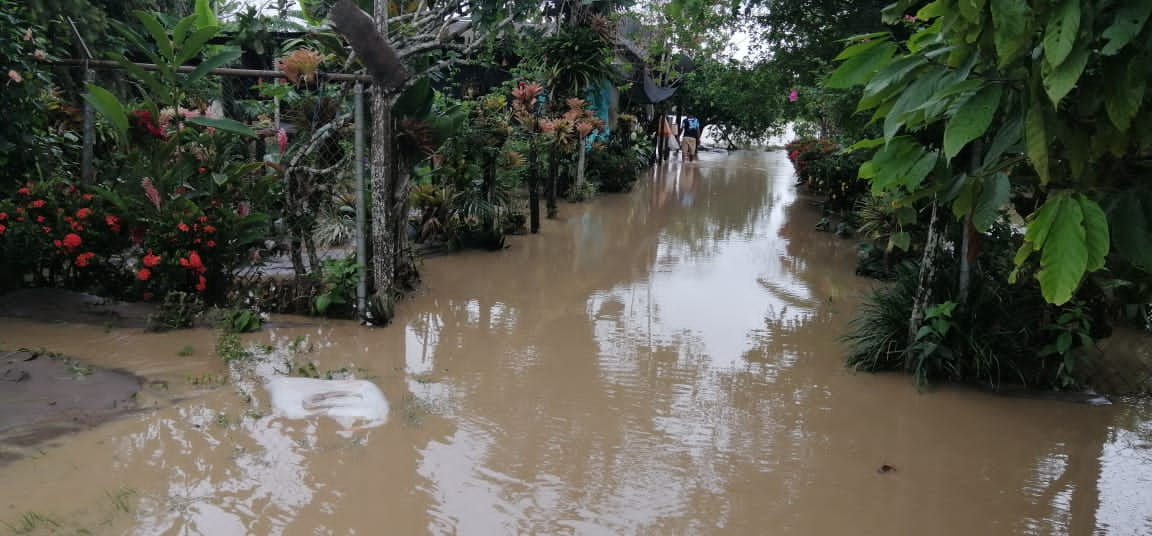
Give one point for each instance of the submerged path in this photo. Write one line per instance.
(660, 362)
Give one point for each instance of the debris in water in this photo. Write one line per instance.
(886, 469)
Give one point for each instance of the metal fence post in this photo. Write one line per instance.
(361, 244)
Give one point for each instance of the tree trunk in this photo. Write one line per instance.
(533, 189)
(383, 243)
(924, 286)
(578, 192)
(553, 170)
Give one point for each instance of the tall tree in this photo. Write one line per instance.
(401, 45)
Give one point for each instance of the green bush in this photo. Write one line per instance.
(1005, 333)
(826, 169)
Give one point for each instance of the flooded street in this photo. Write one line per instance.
(661, 362)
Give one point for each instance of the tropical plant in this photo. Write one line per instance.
(341, 276)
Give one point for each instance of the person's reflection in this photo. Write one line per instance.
(686, 182)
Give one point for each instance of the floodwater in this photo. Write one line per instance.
(660, 362)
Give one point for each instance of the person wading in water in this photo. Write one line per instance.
(690, 137)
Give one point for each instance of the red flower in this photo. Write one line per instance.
(203, 219)
(83, 258)
(83, 213)
(24, 191)
(47, 229)
(148, 295)
(202, 170)
(2, 228)
(138, 234)
(196, 241)
(143, 274)
(151, 260)
(202, 284)
(209, 229)
(3, 216)
(211, 243)
(39, 219)
(182, 226)
(87, 197)
(71, 240)
(58, 243)
(76, 226)
(193, 262)
(113, 223)
(145, 124)
(38, 203)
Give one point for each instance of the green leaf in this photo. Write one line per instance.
(1060, 34)
(971, 120)
(1064, 253)
(1130, 20)
(1129, 219)
(971, 9)
(1063, 342)
(204, 15)
(932, 10)
(159, 35)
(223, 58)
(868, 143)
(1011, 24)
(1007, 138)
(194, 46)
(1095, 233)
(889, 81)
(180, 31)
(107, 105)
(860, 69)
(151, 82)
(1124, 96)
(857, 49)
(996, 193)
(1059, 80)
(901, 240)
(223, 123)
(913, 98)
(1036, 141)
(1041, 224)
(323, 301)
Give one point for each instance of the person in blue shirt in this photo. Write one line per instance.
(690, 137)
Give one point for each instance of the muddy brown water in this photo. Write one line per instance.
(660, 362)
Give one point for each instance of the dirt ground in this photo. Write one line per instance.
(43, 395)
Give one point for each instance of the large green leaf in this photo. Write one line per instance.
(223, 123)
(219, 60)
(1130, 220)
(107, 105)
(1007, 138)
(1124, 96)
(996, 193)
(860, 69)
(971, 9)
(971, 120)
(1060, 80)
(1036, 140)
(159, 35)
(194, 46)
(1064, 255)
(1040, 224)
(1060, 34)
(204, 15)
(890, 80)
(1130, 20)
(1011, 29)
(858, 48)
(1095, 233)
(913, 98)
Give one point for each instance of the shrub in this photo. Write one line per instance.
(824, 168)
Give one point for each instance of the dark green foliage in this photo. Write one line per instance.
(341, 277)
(989, 340)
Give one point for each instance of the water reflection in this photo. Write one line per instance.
(661, 362)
